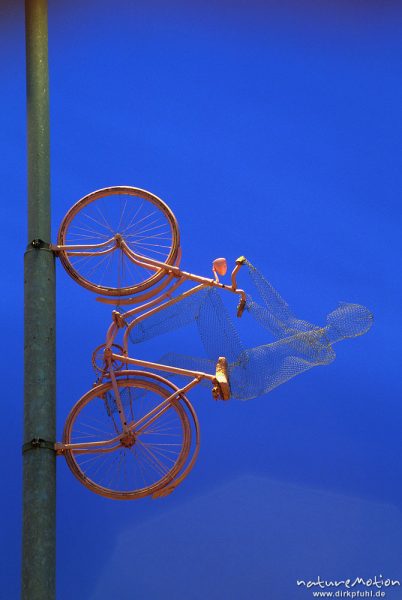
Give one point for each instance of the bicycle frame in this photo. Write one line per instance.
(163, 299)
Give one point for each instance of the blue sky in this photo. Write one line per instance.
(273, 131)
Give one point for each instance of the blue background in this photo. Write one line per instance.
(272, 130)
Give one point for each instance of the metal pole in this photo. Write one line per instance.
(39, 458)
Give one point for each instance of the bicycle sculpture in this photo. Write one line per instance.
(135, 433)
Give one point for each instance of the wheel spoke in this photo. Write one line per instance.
(145, 224)
(139, 465)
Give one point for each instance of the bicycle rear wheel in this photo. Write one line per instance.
(155, 457)
(140, 218)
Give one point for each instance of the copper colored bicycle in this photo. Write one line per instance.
(135, 433)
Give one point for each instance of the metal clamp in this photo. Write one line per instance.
(38, 244)
(37, 443)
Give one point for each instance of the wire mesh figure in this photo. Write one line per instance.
(298, 346)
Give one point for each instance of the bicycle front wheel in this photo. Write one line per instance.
(140, 218)
(158, 449)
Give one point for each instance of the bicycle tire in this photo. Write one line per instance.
(143, 220)
(171, 448)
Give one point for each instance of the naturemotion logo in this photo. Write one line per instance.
(358, 587)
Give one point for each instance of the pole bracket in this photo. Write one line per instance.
(37, 443)
(38, 244)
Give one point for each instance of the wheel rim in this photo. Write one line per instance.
(140, 218)
(154, 459)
